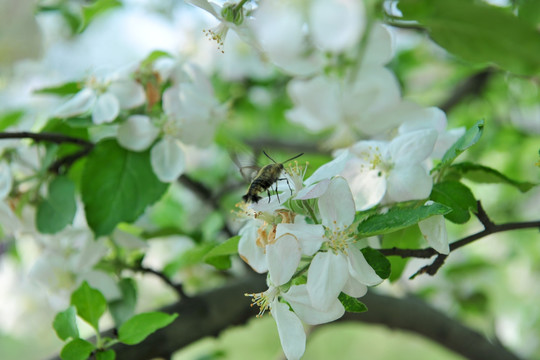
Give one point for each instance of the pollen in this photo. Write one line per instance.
(266, 235)
(218, 35)
(339, 239)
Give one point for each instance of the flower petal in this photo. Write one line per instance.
(354, 288)
(106, 109)
(360, 269)
(327, 275)
(129, 93)
(137, 133)
(413, 147)
(434, 231)
(283, 258)
(367, 186)
(311, 236)
(299, 299)
(248, 249)
(80, 103)
(168, 159)
(409, 182)
(330, 169)
(337, 205)
(290, 330)
(5, 179)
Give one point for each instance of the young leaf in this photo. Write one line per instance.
(458, 197)
(58, 210)
(105, 355)
(9, 119)
(140, 326)
(69, 88)
(90, 304)
(154, 55)
(468, 139)
(122, 309)
(352, 304)
(77, 349)
(478, 32)
(487, 175)
(219, 256)
(377, 261)
(117, 185)
(399, 218)
(65, 324)
(96, 8)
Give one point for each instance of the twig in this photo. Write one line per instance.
(472, 86)
(177, 287)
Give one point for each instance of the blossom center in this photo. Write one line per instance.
(339, 239)
(266, 235)
(263, 300)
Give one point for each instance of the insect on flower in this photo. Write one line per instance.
(265, 178)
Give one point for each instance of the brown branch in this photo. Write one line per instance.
(210, 313)
(472, 86)
(67, 160)
(177, 287)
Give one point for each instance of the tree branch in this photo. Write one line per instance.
(210, 313)
(472, 86)
(177, 287)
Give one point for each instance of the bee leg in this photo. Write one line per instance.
(277, 194)
(288, 184)
(268, 191)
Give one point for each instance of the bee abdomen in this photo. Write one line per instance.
(251, 197)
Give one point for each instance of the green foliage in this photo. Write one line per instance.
(105, 355)
(68, 88)
(352, 304)
(219, 256)
(153, 56)
(58, 209)
(456, 196)
(65, 324)
(77, 349)
(90, 304)
(124, 308)
(468, 139)
(10, 118)
(529, 11)
(377, 261)
(189, 257)
(95, 9)
(408, 238)
(478, 32)
(117, 185)
(140, 326)
(399, 218)
(485, 175)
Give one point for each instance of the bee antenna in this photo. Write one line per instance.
(297, 156)
(268, 156)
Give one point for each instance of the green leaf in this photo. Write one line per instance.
(219, 256)
(117, 185)
(352, 304)
(106, 355)
(399, 218)
(123, 309)
(189, 257)
(486, 175)
(529, 11)
(154, 55)
(10, 119)
(77, 349)
(96, 8)
(408, 238)
(468, 139)
(69, 88)
(458, 197)
(140, 326)
(377, 261)
(90, 304)
(58, 210)
(65, 324)
(478, 32)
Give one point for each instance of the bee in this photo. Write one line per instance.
(265, 178)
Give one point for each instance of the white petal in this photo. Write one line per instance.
(106, 109)
(330, 169)
(248, 249)
(5, 179)
(80, 103)
(336, 24)
(168, 159)
(368, 187)
(137, 133)
(337, 205)
(311, 236)
(413, 147)
(354, 288)
(434, 231)
(313, 191)
(290, 329)
(103, 281)
(283, 258)
(409, 182)
(380, 46)
(299, 299)
(360, 269)
(327, 275)
(205, 5)
(129, 93)
(8, 220)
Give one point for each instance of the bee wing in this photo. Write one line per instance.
(249, 172)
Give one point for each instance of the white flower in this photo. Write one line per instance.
(342, 268)
(289, 324)
(434, 231)
(104, 97)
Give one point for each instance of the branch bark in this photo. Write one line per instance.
(210, 313)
